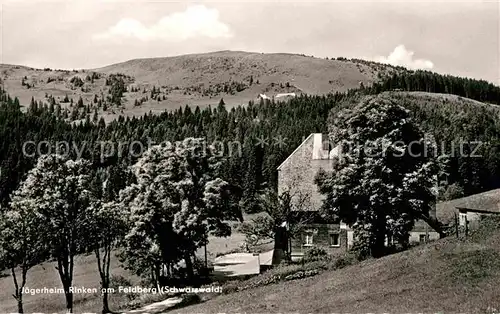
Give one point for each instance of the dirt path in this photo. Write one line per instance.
(157, 307)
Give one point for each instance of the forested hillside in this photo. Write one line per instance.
(427, 81)
(267, 132)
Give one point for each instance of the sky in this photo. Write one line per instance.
(459, 38)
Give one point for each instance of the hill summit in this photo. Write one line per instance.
(158, 84)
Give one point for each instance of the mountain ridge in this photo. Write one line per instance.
(199, 79)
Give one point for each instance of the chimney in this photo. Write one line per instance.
(320, 146)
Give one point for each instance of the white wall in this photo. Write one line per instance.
(415, 236)
(350, 238)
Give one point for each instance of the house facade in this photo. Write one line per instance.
(296, 176)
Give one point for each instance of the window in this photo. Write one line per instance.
(422, 238)
(334, 239)
(308, 239)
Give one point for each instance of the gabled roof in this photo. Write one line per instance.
(488, 201)
(298, 147)
(421, 226)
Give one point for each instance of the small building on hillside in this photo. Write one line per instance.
(284, 95)
(468, 211)
(296, 176)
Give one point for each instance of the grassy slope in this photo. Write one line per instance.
(45, 275)
(310, 75)
(454, 106)
(305, 74)
(449, 275)
(432, 97)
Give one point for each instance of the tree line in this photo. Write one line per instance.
(267, 132)
(431, 82)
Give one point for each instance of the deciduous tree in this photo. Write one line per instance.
(177, 201)
(109, 225)
(22, 244)
(58, 191)
(384, 175)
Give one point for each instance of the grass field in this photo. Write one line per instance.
(446, 276)
(45, 275)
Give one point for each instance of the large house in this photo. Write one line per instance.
(296, 175)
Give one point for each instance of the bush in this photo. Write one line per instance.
(302, 274)
(117, 280)
(187, 299)
(314, 254)
(201, 269)
(345, 260)
(76, 81)
(361, 247)
(231, 286)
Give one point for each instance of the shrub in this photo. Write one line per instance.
(117, 280)
(231, 286)
(345, 260)
(188, 299)
(201, 269)
(322, 264)
(76, 81)
(361, 247)
(314, 254)
(302, 274)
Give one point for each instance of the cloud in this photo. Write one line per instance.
(195, 21)
(403, 57)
